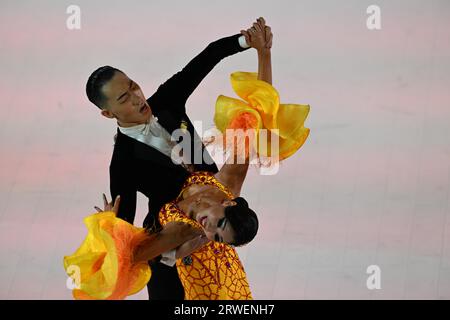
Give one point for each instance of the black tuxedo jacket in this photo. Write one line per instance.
(136, 166)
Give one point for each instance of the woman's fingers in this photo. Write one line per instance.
(115, 209)
(109, 205)
(247, 39)
(252, 35)
(262, 23)
(262, 20)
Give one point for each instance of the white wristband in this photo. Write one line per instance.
(168, 258)
(243, 42)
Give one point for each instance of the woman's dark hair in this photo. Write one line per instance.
(243, 220)
(96, 81)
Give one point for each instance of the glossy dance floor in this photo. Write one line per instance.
(369, 187)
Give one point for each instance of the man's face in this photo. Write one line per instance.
(125, 101)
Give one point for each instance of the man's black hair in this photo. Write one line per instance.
(95, 83)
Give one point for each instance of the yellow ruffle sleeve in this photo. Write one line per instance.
(103, 267)
(261, 102)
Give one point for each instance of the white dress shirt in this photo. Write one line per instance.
(152, 134)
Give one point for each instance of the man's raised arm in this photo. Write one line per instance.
(181, 85)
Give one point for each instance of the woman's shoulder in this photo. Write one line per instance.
(205, 178)
(171, 212)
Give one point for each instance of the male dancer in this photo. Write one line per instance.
(141, 159)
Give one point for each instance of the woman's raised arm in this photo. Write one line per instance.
(233, 172)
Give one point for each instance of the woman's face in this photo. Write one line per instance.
(213, 221)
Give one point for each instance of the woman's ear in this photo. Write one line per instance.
(227, 203)
(108, 114)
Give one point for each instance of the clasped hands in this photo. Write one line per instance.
(259, 36)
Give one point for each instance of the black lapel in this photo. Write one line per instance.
(171, 120)
(167, 119)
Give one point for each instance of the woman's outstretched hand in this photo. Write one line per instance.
(109, 206)
(259, 36)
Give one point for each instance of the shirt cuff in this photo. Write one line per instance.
(168, 258)
(243, 43)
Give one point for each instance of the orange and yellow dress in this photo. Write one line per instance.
(103, 268)
(214, 272)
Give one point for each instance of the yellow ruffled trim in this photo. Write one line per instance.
(104, 259)
(262, 100)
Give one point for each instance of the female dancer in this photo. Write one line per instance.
(113, 258)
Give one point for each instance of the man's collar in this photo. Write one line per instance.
(137, 128)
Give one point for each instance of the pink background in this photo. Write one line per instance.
(370, 185)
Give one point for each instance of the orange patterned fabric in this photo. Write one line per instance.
(204, 178)
(214, 272)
